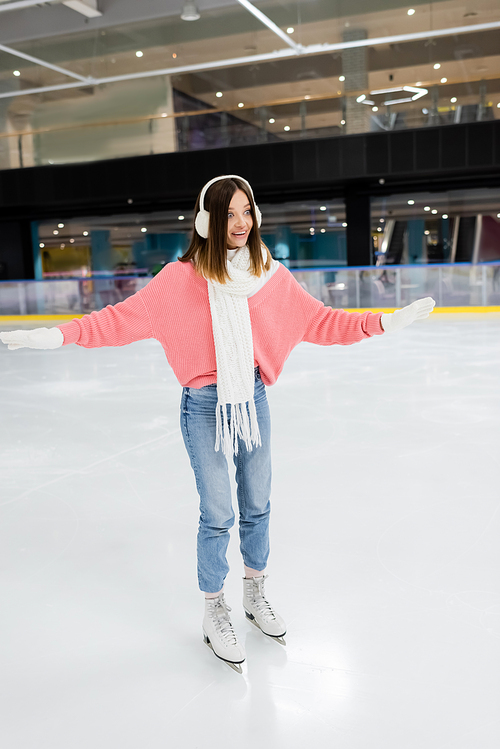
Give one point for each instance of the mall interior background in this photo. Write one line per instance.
(91, 82)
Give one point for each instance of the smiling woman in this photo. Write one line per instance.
(226, 218)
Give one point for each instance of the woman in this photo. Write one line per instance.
(227, 316)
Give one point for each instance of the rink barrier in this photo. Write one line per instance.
(386, 310)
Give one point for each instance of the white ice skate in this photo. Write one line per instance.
(219, 634)
(259, 611)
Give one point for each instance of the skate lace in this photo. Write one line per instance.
(218, 611)
(259, 600)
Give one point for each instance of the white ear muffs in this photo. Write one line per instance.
(203, 217)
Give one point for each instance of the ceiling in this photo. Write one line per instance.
(223, 47)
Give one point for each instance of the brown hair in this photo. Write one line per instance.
(209, 255)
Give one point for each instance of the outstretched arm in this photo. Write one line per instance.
(116, 325)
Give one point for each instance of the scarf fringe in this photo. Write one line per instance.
(240, 426)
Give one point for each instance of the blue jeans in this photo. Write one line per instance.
(253, 477)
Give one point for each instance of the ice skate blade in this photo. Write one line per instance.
(235, 666)
(277, 638)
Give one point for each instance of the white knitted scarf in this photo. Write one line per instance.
(234, 353)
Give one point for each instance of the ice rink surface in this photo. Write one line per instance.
(384, 552)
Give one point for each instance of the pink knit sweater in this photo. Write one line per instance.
(174, 308)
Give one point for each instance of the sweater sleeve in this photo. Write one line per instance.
(115, 325)
(326, 326)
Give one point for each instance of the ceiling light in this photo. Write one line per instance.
(426, 232)
(139, 53)
(444, 80)
(323, 231)
(411, 202)
(341, 77)
(411, 12)
(311, 229)
(241, 104)
(374, 109)
(453, 99)
(437, 65)
(427, 208)
(307, 96)
(189, 12)
(322, 208)
(85, 233)
(17, 72)
(382, 220)
(55, 232)
(445, 215)
(62, 246)
(60, 226)
(434, 211)
(164, 114)
(425, 111)
(287, 128)
(361, 98)
(498, 105)
(342, 122)
(344, 224)
(219, 94)
(41, 244)
(379, 228)
(498, 215)
(290, 30)
(272, 121)
(418, 83)
(181, 218)
(174, 55)
(71, 240)
(143, 229)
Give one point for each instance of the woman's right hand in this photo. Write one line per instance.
(43, 338)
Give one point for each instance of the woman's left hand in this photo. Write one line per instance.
(401, 318)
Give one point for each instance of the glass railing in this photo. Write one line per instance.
(458, 285)
(219, 128)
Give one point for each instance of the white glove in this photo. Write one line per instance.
(419, 310)
(38, 338)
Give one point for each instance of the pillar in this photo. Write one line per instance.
(355, 70)
(358, 232)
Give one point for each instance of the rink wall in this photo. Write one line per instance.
(456, 288)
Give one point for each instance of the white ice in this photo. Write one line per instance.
(384, 552)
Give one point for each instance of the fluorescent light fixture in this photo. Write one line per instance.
(270, 24)
(361, 98)
(86, 8)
